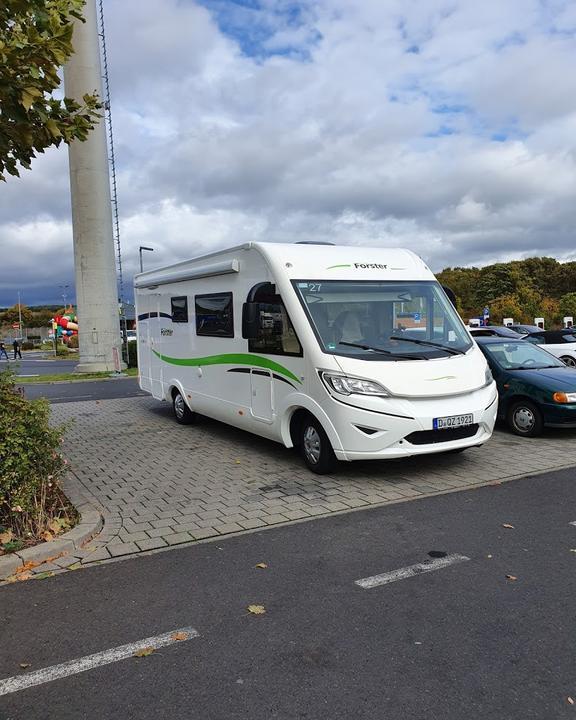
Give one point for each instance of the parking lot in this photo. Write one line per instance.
(160, 484)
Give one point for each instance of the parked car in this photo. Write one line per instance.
(494, 331)
(535, 388)
(561, 343)
(525, 329)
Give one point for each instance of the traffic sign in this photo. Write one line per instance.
(16, 326)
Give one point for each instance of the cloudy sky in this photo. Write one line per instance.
(445, 126)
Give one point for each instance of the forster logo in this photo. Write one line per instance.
(370, 266)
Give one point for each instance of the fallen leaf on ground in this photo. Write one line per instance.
(256, 609)
(47, 536)
(511, 577)
(180, 636)
(507, 525)
(263, 566)
(144, 652)
(43, 576)
(570, 700)
(488, 556)
(23, 576)
(25, 665)
(572, 549)
(6, 536)
(27, 566)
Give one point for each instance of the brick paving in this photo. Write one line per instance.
(159, 484)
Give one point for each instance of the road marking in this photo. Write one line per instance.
(73, 667)
(573, 522)
(410, 571)
(28, 375)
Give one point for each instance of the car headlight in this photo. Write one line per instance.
(488, 377)
(346, 385)
(561, 397)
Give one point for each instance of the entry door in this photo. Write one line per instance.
(261, 387)
(155, 343)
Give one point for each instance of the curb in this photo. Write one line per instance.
(90, 525)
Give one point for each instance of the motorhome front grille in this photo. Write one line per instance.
(428, 437)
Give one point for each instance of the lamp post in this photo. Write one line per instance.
(140, 253)
(64, 294)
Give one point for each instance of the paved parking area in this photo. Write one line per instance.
(159, 484)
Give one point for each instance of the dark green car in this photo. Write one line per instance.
(534, 388)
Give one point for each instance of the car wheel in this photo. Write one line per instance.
(569, 360)
(182, 412)
(525, 419)
(315, 447)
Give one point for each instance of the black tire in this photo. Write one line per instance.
(182, 412)
(315, 447)
(524, 418)
(569, 360)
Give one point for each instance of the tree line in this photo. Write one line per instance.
(520, 289)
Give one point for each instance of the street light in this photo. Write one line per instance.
(64, 294)
(140, 253)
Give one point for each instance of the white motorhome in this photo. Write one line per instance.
(344, 352)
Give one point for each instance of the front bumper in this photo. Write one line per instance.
(382, 434)
(559, 415)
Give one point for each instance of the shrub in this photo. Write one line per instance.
(31, 465)
(27, 345)
(73, 342)
(132, 354)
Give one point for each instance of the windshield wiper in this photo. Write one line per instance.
(452, 351)
(533, 367)
(385, 352)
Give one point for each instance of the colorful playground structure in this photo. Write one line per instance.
(65, 326)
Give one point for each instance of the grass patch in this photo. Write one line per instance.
(74, 377)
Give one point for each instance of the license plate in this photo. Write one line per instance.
(455, 421)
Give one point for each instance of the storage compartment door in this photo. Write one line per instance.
(261, 387)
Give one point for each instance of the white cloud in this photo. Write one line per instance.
(445, 126)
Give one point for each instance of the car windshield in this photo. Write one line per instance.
(377, 320)
(520, 356)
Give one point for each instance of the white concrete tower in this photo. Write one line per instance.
(95, 267)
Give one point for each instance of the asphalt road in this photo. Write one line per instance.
(85, 390)
(38, 364)
(460, 642)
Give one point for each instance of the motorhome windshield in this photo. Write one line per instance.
(359, 318)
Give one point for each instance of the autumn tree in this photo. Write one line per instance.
(35, 41)
(11, 315)
(567, 304)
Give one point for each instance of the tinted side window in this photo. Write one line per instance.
(214, 315)
(276, 334)
(179, 309)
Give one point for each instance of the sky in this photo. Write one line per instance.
(444, 126)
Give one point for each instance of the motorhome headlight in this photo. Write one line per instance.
(345, 385)
(488, 377)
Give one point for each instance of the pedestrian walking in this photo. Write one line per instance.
(3, 350)
(16, 346)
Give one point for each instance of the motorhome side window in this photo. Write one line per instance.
(275, 333)
(214, 316)
(179, 309)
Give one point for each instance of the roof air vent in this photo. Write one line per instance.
(313, 242)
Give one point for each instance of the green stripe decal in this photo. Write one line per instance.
(230, 359)
(337, 266)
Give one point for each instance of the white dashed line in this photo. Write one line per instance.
(410, 571)
(73, 667)
(573, 523)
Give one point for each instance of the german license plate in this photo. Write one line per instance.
(454, 421)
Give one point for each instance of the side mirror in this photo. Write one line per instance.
(250, 320)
